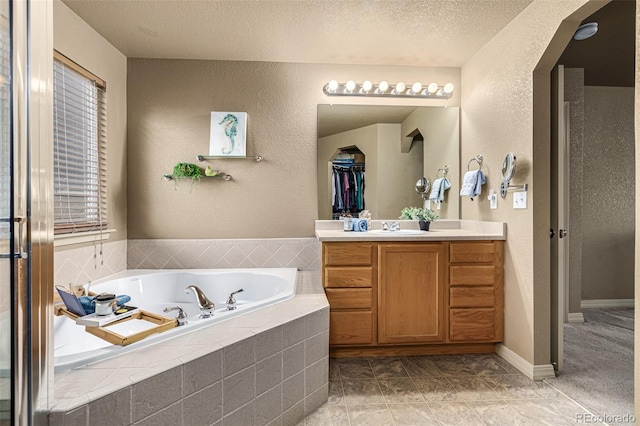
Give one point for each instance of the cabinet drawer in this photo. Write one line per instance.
(472, 252)
(343, 254)
(462, 297)
(348, 276)
(472, 325)
(349, 298)
(472, 275)
(350, 328)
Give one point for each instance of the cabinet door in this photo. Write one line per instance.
(411, 293)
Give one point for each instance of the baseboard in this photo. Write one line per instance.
(608, 303)
(534, 372)
(575, 317)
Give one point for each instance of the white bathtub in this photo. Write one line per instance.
(153, 290)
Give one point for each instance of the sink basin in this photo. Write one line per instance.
(400, 232)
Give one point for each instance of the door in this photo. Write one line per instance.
(559, 215)
(7, 248)
(411, 293)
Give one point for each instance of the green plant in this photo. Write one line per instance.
(186, 171)
(418, 213)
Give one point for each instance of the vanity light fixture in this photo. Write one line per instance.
(384, 89)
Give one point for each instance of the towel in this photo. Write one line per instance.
(89, 305)
(360, 225)
(472, 183)
(439, 187)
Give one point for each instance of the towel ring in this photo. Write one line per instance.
(478, 159)
(444, 171)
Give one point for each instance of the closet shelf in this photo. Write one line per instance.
(224, 176)
(201, 157)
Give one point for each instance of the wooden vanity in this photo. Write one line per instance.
(440, 294)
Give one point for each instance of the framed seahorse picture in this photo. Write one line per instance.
(228, 134)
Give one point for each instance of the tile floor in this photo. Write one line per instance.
(439, 390)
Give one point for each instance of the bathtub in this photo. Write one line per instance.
(153, 290)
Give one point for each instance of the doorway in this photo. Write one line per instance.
(599, 95)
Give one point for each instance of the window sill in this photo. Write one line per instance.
(82, 237)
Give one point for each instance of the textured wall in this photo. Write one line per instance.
(608, 207)
(78, 41)
(498, 116)
(636, 363)
(169, 105)
(574, 94)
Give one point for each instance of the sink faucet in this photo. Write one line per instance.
(385, 226)
(207, 307)
(395, 226)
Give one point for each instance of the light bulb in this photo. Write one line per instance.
(400, 86)
(416, 88)
(350, 85)
(366, 86)
(432, 88)
(333, 86)
(383, 86)
(448, 88)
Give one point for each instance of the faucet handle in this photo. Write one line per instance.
(395, 226)
(385, 226)
(181, 317)
(231, 301)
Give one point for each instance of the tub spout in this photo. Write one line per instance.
(207, 307)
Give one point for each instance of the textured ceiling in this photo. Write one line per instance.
(442, 33)
(333, 119)
(608, 58)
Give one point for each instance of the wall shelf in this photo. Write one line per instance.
(221, 175)
(201, 157)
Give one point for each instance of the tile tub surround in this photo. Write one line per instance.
(85, 264)
(270, 365)
(301, 253)
(440, 230)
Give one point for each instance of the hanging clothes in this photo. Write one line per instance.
(347, 188)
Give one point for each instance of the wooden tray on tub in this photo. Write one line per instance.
(162, 324)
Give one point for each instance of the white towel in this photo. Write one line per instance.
(472, 183)
(439, 187)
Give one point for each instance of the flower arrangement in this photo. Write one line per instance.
(418, 213)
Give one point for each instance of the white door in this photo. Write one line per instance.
(559, 215)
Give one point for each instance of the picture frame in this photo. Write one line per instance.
(228, 136)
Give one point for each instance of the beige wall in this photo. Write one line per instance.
(169, 105)
(608, 209)
(77, 40)
(498, 115)
(441, 147)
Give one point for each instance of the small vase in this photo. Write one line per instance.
(424, 225)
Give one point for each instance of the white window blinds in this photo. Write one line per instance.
(79, 132)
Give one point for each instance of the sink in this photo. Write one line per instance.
(399, 232)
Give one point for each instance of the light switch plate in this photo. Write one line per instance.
(520, 200)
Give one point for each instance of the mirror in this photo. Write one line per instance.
(422, 187)
(389, 148)
(508, 169)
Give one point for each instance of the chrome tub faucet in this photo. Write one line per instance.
(207, 307)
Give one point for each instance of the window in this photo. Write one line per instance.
(79, 148)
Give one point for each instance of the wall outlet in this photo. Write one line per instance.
(493, 199)
(520, 200)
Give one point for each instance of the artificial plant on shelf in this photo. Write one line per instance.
(186, 171)
(422, 215)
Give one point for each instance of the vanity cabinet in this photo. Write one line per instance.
(348, 277)
(411, 292)
(476, 291)
(414, 297)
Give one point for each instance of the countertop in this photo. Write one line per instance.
(441, 230)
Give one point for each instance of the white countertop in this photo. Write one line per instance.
(441, 230)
